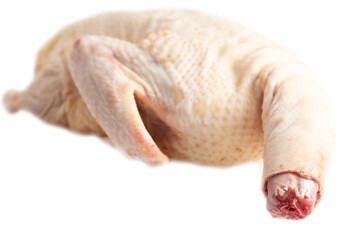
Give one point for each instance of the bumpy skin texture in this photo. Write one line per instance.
(184, 85)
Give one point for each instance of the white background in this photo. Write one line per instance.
(55, 184)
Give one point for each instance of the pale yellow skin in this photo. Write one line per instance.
(184, 85)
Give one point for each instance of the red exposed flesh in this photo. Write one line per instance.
(291, 196)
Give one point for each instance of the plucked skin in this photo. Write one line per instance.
(184, 85)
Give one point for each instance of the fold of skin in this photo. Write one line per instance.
(207, 90)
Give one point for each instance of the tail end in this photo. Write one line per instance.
(11, 101)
